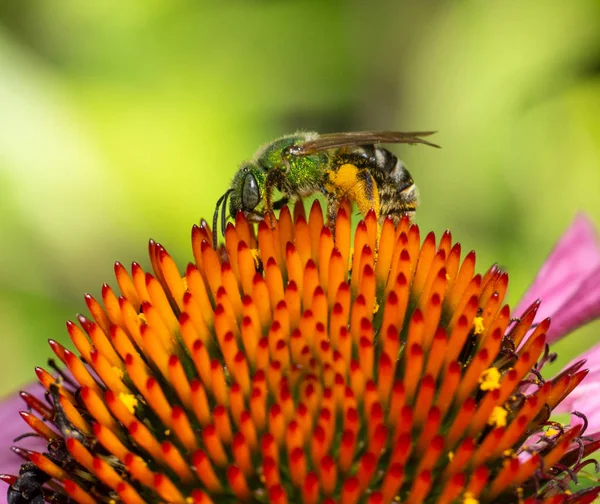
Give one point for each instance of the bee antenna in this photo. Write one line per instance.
(224, 211)
(216, 218)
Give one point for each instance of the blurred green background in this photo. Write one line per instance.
(121, 121)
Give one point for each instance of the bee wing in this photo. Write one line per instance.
(336, 140)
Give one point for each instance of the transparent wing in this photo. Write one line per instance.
(336, 140)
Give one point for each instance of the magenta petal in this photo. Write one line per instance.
(586, 396)
(12, 425)
(569, 281)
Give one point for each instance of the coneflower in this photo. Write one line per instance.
(293, 365)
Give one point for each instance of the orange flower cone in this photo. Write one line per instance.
(297, 365)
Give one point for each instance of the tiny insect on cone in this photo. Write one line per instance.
(296, 364)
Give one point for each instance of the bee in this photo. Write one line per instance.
(29, 485)
(340, 166)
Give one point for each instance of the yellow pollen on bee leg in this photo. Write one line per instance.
(498, 417)
(551, 432)
(129, 401)
(469, 499)
(357, 185)
(344, 179)
(478, 327)
(490, 379)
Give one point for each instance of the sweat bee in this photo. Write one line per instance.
(30, 486)
(338, 165)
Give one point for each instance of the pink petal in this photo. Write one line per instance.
(581, 308)
(586, 396)
(13, 426)
(569, 281)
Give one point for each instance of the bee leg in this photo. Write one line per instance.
(333, 206)
(366, 193)
(355, 184)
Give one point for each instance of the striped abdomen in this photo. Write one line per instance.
(397, 191)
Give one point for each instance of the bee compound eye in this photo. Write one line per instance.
(250, 193)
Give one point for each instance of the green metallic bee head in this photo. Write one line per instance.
(245, 194)
(247, 189)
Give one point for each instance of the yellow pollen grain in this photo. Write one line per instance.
(551, 432)
(189, 500)
(168, 432)
(129, 401)
(498, 417)
(478, 327)
(447, 277)
(568, 492)
(112, 501)
(468, 498)
(185, 288)
(508, 453)
(490, 379)
(119, 372)
(376, 307)
(450, 455)
(256, 256)
(142, 318)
